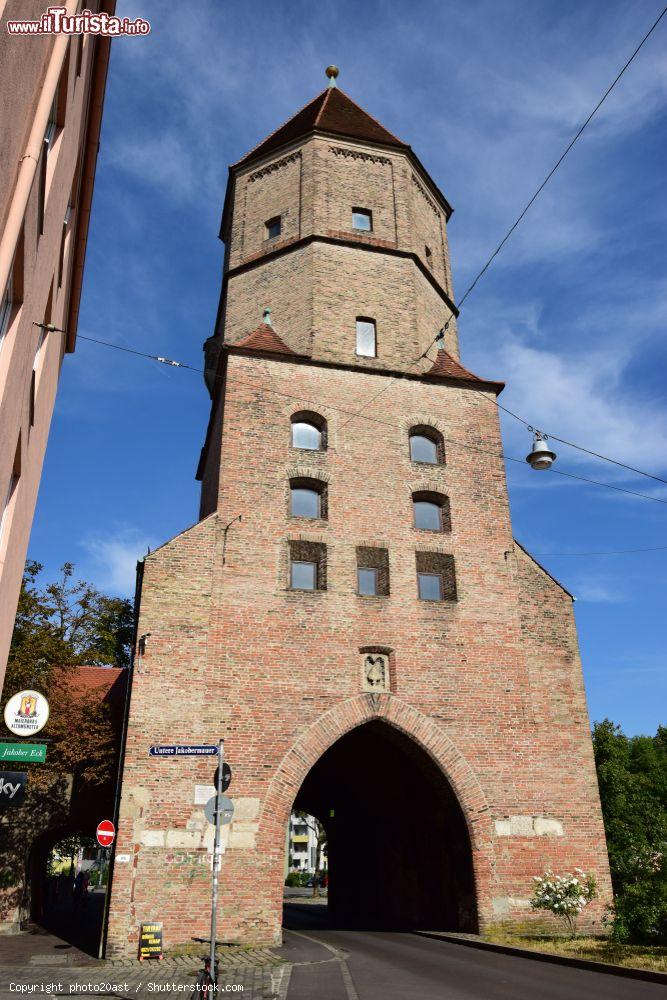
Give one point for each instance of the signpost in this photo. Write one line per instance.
(12, 788)
(35, 753)
(216, 856)
(106, 832)
(226, 776)
(184, 750)
(150, 941)
(224, 810)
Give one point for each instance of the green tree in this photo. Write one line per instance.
(60, 626)
(632, 776)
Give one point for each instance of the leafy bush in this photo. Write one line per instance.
(294, 878)
(632, 776)
(564, 895)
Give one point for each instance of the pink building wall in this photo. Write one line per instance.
(42, 261)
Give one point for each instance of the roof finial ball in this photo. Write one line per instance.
(332, 72)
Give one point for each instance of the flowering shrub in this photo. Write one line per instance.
(564, 895)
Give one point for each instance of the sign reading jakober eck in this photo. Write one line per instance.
(105, 834)
(26, 713)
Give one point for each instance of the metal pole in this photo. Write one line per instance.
(216, 856)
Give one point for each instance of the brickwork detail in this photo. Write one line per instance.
(497, 706)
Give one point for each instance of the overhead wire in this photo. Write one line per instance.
(517, 222)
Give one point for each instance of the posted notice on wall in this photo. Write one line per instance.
(150, 941)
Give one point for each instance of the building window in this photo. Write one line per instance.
(362, 220)
(52, 123)
(430, 586)
(10, 496)
(308, 498)
(366, 338)
(309, 431)
(431, 511)
(6, 307)
(429, 256)
(372, 571)
(41, 188)
(426, 446)
(303, 575)
(273, 227)
(79, 54)
(367, 582)
(436, 578)
(307, 565)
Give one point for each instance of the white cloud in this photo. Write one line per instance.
(113, 559)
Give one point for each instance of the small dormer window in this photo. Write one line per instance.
(362, 219)
(273, 227)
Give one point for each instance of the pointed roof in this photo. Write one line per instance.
(331, 111)
(264, 338)
(445, 366)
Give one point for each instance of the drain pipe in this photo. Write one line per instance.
(30, 159)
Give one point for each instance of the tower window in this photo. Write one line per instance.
(431, 512)
(367, 582)
(427, 446)
(308, 498)
(362, 220)
(309, 431)
(273, 227)
(436, 577)
(303, 575)
(429, 256)
(308, 565)
(366, 338)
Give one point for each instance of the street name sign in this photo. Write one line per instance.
(226, 810)
(12, 788)
(106, 832)
(184, 750)
(35, 753)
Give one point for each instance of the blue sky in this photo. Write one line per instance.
(571, 315)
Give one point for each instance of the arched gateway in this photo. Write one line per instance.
(351, 612)
(402, 810)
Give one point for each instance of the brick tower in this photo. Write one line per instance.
(368, 638)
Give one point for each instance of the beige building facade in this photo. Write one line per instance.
(51, 98)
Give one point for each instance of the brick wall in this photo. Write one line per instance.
(487, 683)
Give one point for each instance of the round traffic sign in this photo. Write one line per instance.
(226, 777)
(106, 832)
(226, 810)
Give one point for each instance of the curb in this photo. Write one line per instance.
(624, 971)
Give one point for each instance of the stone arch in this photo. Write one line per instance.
(430, 737)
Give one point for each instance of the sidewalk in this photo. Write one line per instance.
(37, 962)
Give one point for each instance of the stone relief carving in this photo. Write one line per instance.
(271, 167)
(356, 154)
(375, 675)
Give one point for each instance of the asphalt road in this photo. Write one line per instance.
(369, 965)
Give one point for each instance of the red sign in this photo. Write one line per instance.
(106, 832)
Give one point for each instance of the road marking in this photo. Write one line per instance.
(340, 957)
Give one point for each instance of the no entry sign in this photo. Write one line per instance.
(106, 832)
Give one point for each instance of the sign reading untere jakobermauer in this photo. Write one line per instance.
(26, 713)
(184, 750)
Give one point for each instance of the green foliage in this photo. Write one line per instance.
(60, 626)
(293, 878)
(632, 775)
(65, 623)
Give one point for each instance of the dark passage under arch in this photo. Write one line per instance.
(398, 845)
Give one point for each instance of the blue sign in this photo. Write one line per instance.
(185, 750)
